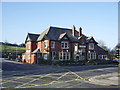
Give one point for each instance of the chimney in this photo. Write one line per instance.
(73, 30)
(80, 31)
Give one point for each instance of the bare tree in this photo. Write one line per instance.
(102, 45)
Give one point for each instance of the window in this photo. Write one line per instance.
(45, 44)
(82, 50)
(52, 44)
(91, 46)
(64, 45)
(53, 54)
(60, 56)
(91, 56)
(64, 56)
(102, 56)
(99, 56)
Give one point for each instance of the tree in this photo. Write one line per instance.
(111, 53)
(102, 45)
(22, 45)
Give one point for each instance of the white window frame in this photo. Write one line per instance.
(91, 55)
(91, 46)
(102, 56)
(52, 44)
(64, 54)
(45, 44)
(64, 45)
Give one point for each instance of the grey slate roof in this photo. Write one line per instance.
(32, 37)
(56, 33)
(90, 39)
(53, 33)
(100, 49)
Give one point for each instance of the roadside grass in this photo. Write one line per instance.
(6, 48)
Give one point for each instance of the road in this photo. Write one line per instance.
(19, 75)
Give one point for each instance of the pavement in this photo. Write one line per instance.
(111, 79)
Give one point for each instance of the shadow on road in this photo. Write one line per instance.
(13, 66)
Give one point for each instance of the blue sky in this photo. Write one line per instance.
(98, 19)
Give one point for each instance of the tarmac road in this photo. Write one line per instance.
(19, 75)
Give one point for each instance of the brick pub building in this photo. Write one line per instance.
(62, 44)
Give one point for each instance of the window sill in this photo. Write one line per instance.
(65, 48)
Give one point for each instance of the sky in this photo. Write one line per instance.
(97, 19)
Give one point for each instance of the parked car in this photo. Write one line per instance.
(117, 61)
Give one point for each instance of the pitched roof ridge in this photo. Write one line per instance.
(33, 33)
(90, 36)
(60, 28)
(101, 47)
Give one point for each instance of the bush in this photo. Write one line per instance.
(91, 62)
(56, 62)
(107, 59)
(41, 60)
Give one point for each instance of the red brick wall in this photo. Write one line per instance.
(58, 49)
(33, 46)
(41, 45)
(33, 58)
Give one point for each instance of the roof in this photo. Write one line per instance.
(36, 51)
(53, 33)
(43, 34)
(32, 37)
(101, 50)
(90, 39)
(61, 36)
(57, 33)
(82, 36)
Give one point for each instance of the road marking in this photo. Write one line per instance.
(79, 77)
(56, 81)
(31, 81)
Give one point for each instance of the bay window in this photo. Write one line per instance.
(64, 56)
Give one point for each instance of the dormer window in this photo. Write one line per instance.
(91, 46)
(52, 44)
(64, 45)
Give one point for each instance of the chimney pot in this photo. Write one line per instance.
(73, 30)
